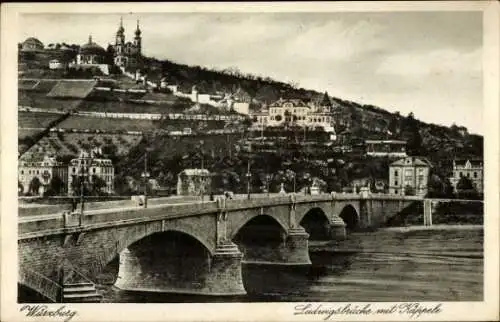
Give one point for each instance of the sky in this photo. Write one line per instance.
(428, 63)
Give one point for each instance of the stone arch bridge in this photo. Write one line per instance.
(195, 248)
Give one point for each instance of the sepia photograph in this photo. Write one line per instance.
(252, 156)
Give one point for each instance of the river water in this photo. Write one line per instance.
(396, 264)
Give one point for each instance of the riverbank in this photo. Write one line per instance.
(434, 227)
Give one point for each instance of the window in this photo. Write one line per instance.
(22, 171)
(74, 169)
(93, 170)
(468, 174)
(396, 182)
(460, 174)
(396, 191)
(396, 173)
(475, 174)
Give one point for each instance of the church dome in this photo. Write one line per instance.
(34, 41)
(91, 48)
(32, 44)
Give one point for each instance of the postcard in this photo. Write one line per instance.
(253, 161)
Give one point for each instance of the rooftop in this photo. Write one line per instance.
(412, 161)
(194, 172)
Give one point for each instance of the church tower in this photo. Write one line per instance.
(120, 34)
(119, 47)
(138, 40)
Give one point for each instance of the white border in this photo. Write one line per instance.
(479, 311)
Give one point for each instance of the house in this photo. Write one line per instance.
(194, 182)
(43, 171)
(386, 148)
(294, 112)
(409, 176)
(91, 55)
(56, 64)
(91, 167)
(471, 169)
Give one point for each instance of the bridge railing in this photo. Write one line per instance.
(39, 283)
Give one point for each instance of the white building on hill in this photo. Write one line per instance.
(91, 55)
(90, 167)
(294, 112)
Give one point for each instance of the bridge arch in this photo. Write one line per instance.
(245, 220)
(123, 237)
(350, 216)
(166, 260)
(136, 237)
(316, 223)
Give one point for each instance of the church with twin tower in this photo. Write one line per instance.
(127, 54)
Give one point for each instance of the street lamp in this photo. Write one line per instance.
(203, 179)
(84, 173)
(248, 179)
(145, 175)
(268, 177)
(46, 183)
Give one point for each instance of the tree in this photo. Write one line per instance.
(326, 102)
(436, 186)
(35, 185)
(393, 126)
(76, 185)
(465, 184)
(466, 189)
(409, 190)
(110, 51)
(247, 122)
(97, 184)
(56, 185)
(411, 132)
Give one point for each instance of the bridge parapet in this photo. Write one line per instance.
(382, 196)
(59, 223)
(235, 204)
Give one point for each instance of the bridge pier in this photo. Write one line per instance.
(225, 276)
(217, 274)
(337, 228)
(296, 249)
(291, 250)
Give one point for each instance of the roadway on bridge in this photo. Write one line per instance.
(152, 203)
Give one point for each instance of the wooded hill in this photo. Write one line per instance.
(360, 121)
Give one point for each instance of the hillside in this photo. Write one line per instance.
(82, 117)
(356, 120)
